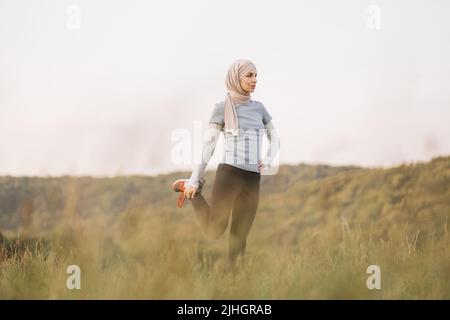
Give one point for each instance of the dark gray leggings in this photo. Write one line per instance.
(235, 190)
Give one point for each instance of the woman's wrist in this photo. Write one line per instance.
(192, 184)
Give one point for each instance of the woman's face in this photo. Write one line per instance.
(248, 81)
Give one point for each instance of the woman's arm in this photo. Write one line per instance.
(209, 146)
(274, 143)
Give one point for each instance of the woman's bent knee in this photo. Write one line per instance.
(214, 232)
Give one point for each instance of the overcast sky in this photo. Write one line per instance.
(99, 87)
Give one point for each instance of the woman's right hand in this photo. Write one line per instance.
(190, 192)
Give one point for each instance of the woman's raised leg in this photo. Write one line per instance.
(214, 218)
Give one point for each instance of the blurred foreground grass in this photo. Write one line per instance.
(313, 238)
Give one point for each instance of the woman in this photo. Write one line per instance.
(236, 187)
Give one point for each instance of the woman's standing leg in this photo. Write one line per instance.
(244, 212)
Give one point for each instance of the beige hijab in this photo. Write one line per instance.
(236, 95)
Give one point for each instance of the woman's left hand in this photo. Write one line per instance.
(261, 166)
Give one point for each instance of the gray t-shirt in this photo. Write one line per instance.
(244, 151)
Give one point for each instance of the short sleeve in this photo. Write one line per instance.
(217, 115)
(266, 116)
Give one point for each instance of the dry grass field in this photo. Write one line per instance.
(317, 230)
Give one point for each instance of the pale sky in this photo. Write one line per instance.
(101, 93)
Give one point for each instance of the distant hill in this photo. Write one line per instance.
(312, 198)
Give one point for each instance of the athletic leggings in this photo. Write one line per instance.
(235, 190)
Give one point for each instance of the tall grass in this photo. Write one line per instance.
(315, 234)
(161, 256)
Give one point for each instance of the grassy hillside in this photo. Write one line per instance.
(317, 230)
